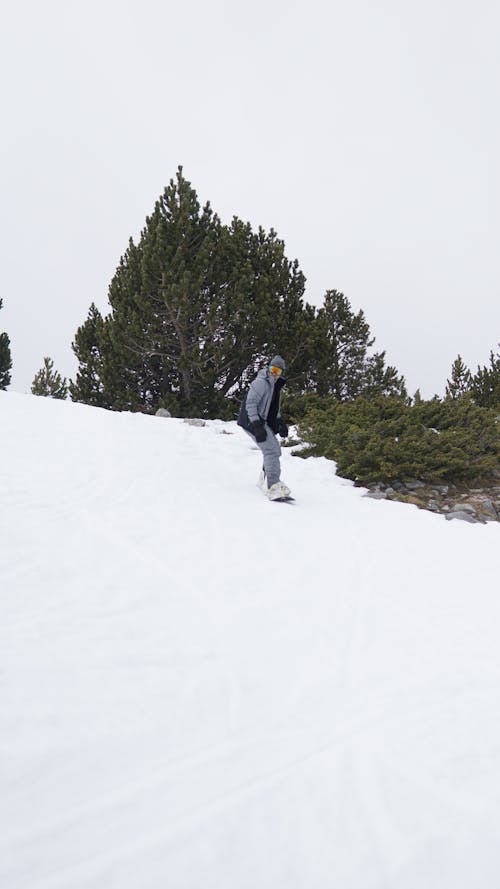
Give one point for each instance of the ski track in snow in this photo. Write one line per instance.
(200, 688)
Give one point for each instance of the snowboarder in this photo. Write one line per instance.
(260, 417)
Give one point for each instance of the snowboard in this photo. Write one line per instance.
(287, 498)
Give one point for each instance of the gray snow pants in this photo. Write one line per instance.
(271, 452)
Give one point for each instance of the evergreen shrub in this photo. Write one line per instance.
(49, 382)
(389, 439)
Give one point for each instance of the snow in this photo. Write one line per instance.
(199, 688)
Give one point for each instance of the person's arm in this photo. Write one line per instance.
(255, 395)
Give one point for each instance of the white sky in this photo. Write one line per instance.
(367, 135)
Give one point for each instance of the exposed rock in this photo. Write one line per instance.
(411, 498)
(463, 507)
(460, 514)
(487, 510)
(162, 412)
(194, 421)
(480, 503)
(414, 485)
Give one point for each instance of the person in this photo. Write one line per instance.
(260, 417)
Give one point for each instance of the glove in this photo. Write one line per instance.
(282, 428)
(259, 430)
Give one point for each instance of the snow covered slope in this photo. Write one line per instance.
(200, 689)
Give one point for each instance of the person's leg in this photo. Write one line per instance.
(271, 452)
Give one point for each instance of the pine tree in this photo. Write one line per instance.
(460, 379)
(49, 382)
(196, 306)
(341, 363)
(381, 379)
(5, 359)
(88, 347)
(485, 384)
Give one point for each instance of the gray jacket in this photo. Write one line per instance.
(258, 401)
(259, 396)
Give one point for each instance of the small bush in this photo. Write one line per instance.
(388, 439)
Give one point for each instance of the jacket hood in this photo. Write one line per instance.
(265, 375)
(278, 361)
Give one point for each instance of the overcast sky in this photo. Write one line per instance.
(367, 134)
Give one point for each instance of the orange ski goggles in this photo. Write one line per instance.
(275, 371)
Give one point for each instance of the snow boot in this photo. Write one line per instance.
(278, 491)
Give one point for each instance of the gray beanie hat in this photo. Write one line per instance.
(278, 361)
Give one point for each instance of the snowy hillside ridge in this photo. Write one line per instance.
(202, 688)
